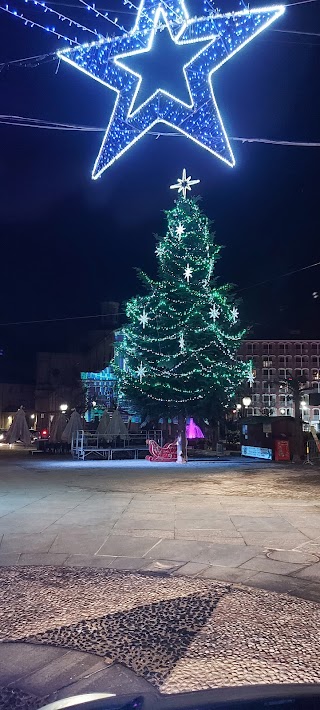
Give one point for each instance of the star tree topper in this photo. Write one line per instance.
(183, 185)
(214, 37)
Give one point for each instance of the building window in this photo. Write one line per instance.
(285, 360)
(268, 399)
(283, 348)
(267, 362)
(249, 412)
(298, 348)
(298, 361)
(267, 348)
(284, 399)
(316, 414)
(285, 412)
(314, 360)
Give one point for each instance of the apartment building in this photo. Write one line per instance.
(274, 360)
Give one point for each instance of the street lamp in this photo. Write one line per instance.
(63, 408)
(238, 407)
(32, 416)
(246, 402)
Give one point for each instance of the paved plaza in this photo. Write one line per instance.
(134, 577)
(236, 521)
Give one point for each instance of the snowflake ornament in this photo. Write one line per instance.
(143, 319)
(234, 314)
(188, 273)
(160, 250)
(141, 371)
(182, 343)
(251, 376)
(180, 231)
(214, 312)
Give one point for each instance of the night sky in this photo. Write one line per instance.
(69, 243)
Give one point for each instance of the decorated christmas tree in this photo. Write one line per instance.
(180, 347)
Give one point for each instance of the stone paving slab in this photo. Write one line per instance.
(231, 537)
(178, 549)
(18, 660)
(42, 558)
(261, 523)
(286, 585)
(9, 558)
(265, 564)
(227, 555)
(37, 542)
(129, 563)
(89, 561)
(128, 546)
(312, 572)
(80, 542)
(59, 672)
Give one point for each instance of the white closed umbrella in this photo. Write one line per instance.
(19, 430)
(103, 424)
(117, 427)
(57, 428)
(74, 425)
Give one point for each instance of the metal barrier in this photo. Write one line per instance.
(85, 443)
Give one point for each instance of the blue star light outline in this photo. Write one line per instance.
(120, 61)
(201, 121)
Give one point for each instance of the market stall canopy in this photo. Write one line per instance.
(57, 428)
(74, 425)
(117, 427)
(19, 430)
(103, 424)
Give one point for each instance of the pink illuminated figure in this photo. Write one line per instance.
(193, 431)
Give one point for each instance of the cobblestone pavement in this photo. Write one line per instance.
(177, 634)
(234, 521)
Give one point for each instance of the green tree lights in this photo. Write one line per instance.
(179, 349)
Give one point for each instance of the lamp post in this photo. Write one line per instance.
(246, 403)
(63, 408)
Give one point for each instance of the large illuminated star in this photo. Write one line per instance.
(216, 38)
